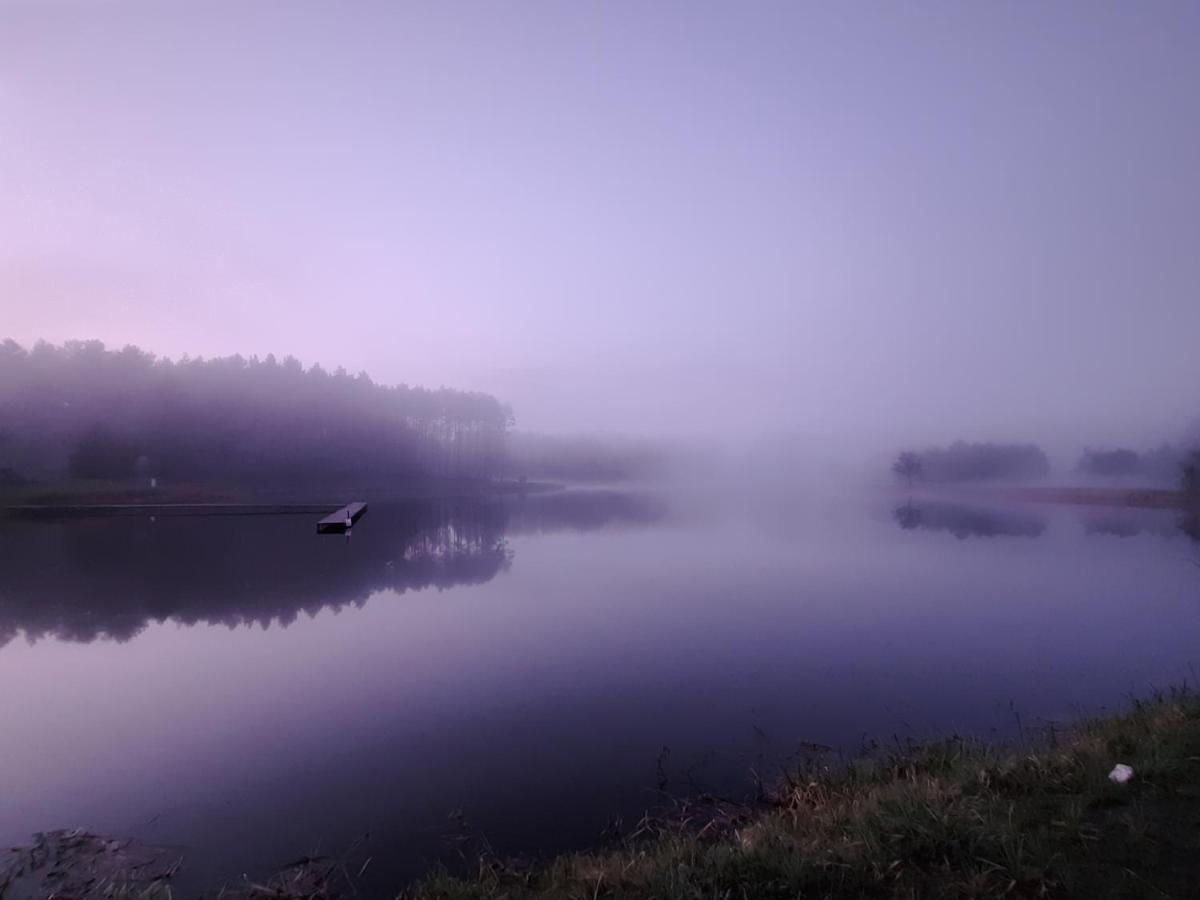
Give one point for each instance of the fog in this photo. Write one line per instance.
(861, 227)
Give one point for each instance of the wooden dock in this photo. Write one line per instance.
(335, 522)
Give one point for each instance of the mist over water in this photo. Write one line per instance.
(543, 666)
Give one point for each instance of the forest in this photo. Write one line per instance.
(82, 410)
(963, 462)
(1170, 465)
(1161, 465)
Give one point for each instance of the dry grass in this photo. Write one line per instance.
(954, 818)
(949, 819)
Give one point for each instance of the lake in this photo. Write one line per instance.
(537, 670)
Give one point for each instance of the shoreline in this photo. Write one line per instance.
(954, 817)
(948, 818)
(1126, 498)
(1133, 498)
(51, 500)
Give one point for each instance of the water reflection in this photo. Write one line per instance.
(1111, 527)
(1128, 523)
(81, 580)
(964, 521)
(731, 637)
(1190, 526)
(968, 521)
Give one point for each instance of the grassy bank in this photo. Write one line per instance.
(949, 819)
(100, 492)
(953, 818)
(83, 493)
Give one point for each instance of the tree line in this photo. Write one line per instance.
(1167, 465)
(83, 409)
(964, 462)
(1161, 465)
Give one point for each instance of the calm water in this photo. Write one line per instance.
(250, 692)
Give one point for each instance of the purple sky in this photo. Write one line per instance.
(918, 220)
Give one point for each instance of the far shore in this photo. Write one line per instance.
(135, 497)
(1133, 498)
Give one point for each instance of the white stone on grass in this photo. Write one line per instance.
(1121, 773)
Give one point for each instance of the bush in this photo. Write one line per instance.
(1110, 463)
(101, 454)
(983, 462)
(1191, 475)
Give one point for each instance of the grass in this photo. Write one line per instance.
(955, 818)
(98, 492)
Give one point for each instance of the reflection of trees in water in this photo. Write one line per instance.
(1190, 526)
(1111, 527)
(1129, 523)
(968, 521)
(86, 579)
(907, 515)
(81, 580)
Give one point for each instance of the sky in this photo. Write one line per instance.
(852, 221)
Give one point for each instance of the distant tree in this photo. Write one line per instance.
(907, 516)
(1120, 463)
(1162, 464)
(1191, 476)
(8, 475)
(963, 462)
(1159, 465)
(101, 454)
(907, 466)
